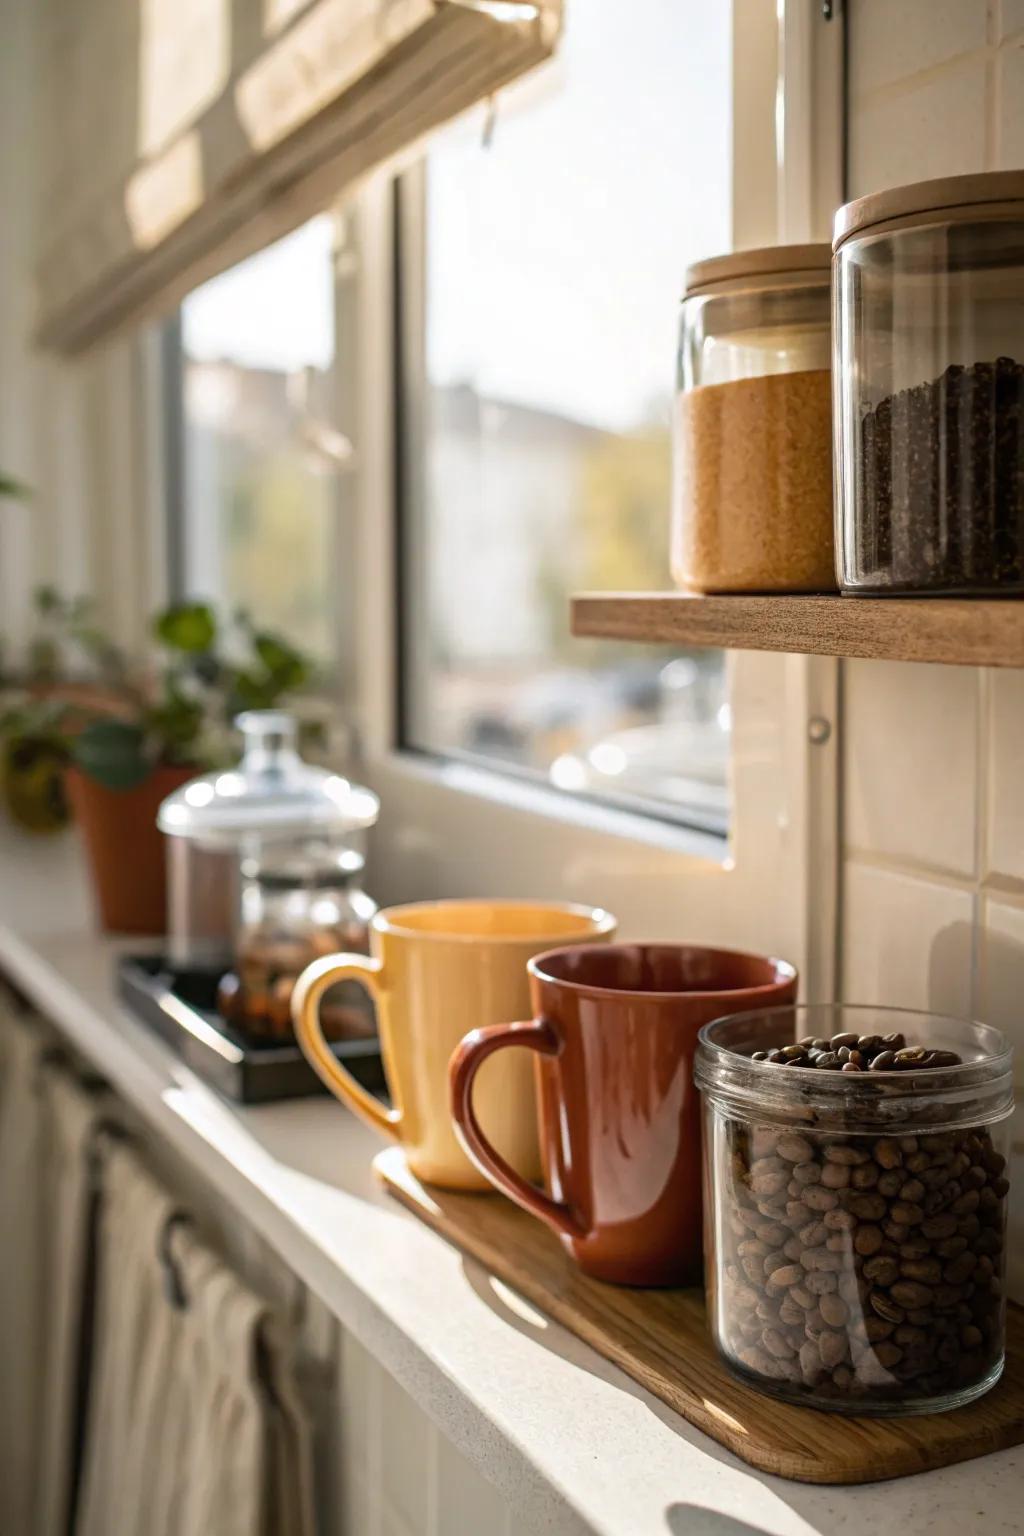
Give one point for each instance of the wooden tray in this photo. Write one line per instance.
(660, 1338)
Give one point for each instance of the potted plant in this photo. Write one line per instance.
(169, 724)
(72, 673)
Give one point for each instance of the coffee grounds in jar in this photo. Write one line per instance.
(940, 490)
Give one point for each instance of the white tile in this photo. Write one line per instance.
(935, 128)
(1011, 17)
(910, 763)
(907, 942)
(1005, 831)
(466, 1501)
(1001, 1002)
(1001, 972)
(1010, 142)
(889, 40)
(407, 1437)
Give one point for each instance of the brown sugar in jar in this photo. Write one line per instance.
(752, 500)
(755, 479)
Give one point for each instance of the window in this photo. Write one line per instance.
(257, 525)
(543, 265)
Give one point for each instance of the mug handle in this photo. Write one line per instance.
(470, 1055)
(315, 980)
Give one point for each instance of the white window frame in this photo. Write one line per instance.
(452, 829)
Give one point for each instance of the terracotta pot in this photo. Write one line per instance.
(126, 852)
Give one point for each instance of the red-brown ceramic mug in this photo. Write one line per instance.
(615, 1030)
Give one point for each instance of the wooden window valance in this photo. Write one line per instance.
(179, 136)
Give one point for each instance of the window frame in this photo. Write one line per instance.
(453, 828)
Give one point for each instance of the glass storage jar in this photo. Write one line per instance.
(855, 1223)
(272, 801)
(752, 478)
(297, 907)
(929, 368)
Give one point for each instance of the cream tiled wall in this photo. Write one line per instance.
(933, 757)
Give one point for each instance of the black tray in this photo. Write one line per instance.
(180, 1005)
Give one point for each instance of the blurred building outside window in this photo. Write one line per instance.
(260, 456)
(553, 251)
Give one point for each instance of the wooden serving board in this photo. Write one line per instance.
(660, 1338)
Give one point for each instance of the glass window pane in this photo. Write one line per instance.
(553, 265)
(258, 345)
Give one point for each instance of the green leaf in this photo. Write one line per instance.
(177, 720)
(46, 599)
(40, 719)
(189, 627)
(312, 735)
(16, 489)
(43, 658)
(250, 690)
(101, 651)
(80, 613)
(287, 667)
(113, 753)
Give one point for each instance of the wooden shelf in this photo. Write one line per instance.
(955, 631)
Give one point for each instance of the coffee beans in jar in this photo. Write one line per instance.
(856, 1214)
(298, 906)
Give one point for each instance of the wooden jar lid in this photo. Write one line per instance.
(767, 261)
(985, 196)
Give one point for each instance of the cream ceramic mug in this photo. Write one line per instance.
(438, 969)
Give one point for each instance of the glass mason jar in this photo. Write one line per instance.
(296, 907)
(855, 1223)
(929, 369)
(752, 478)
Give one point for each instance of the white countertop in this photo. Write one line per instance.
(571, 1441)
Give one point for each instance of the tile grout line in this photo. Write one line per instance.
(1007, 890)
(892, 90)
(927, 874)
